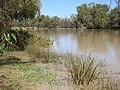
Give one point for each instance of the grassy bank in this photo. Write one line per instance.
(39, 67)
(17, 75)
(69, 72)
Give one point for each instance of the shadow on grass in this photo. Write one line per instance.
(5, 88)
(10, 60)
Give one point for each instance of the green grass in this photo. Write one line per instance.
(35, 74)
(18, 75)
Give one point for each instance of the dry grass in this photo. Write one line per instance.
(84, 73)
(82, 70)
(88, 74)
(39, 51)
(43, 55)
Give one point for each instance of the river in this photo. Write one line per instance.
(104, 44)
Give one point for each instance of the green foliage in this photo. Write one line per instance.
(114, 18)
(48, 22)
(93, 15)
(54, 22)
(7, 41)
(14, 40)
(22, 38)
(75, 21)
(39, 41)
(19, 10)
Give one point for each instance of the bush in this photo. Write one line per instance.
(14, 40)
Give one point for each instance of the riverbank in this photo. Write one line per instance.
(38, 67)
(18, 71)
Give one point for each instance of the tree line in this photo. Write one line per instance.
(91, 16)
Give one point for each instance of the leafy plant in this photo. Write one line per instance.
(7, 41)
(14, 39)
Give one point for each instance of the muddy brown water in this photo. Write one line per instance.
(104, 44)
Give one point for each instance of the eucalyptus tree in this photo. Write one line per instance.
(65, 23)
(18, 10)
(93, 15)
(54, 22)
(75, 22)
(15, 10)
(114, 16)
(83, 14)
(45, 21)
(99, 14)
(118, 3)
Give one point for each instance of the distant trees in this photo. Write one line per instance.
(49, 22)
(54, 22)
(99, 16)
(65, 23)
(75, 22)
(114, 16)
(93, 15)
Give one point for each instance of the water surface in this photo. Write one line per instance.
(104, 44)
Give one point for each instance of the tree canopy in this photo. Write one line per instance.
(17, 9)
(93, 15)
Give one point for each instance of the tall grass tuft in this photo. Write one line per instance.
(82, 70)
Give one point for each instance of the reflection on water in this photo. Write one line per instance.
(106, 44)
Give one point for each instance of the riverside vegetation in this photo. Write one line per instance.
(26, 61)
(37, 66)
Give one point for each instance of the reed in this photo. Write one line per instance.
(82, 70)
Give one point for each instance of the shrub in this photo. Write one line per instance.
(14, 40)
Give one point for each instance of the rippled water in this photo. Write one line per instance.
(104, 44)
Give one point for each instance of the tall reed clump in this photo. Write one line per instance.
(90, 74)
(82, 70)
